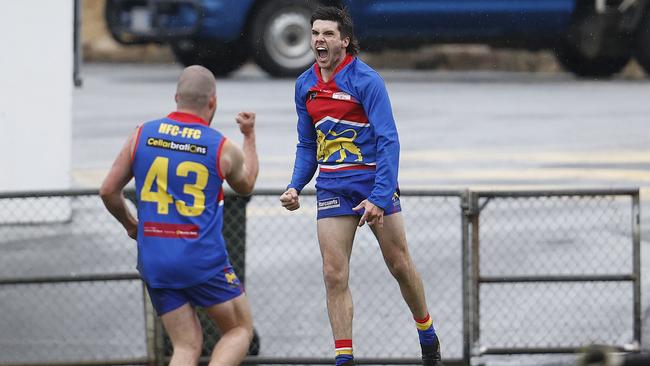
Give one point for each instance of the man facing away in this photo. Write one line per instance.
(179, 164)
(346, 125)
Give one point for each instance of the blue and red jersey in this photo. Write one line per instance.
(346, 127)
(179, 187)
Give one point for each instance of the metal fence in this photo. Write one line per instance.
(504, 272)
(552, 271)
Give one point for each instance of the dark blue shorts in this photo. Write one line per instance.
(220, 288)
(337, 196)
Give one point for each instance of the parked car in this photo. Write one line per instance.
(591, 38)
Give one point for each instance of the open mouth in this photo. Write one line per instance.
(321, 54)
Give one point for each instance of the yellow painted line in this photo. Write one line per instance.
(90, 178)
(512, 186)
(644, 191)
(528, 174)
(613, 156)
(94, 177)
(439, 173)
(451, 155)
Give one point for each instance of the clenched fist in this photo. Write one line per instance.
(290, 199)
(246, 122)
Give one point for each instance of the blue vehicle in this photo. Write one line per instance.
(592, 38)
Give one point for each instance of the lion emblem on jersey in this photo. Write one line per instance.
(341, 143)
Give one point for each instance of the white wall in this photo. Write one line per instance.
(36, 64)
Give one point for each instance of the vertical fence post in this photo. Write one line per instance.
(152, 324)
(159, 342)
(464, 229)
(465, 272)
(76, 41)
(470, 229)
(234, 223)
(153, 352)
(475, 211)
(636, 265)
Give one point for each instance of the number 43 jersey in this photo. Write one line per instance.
(179, 187)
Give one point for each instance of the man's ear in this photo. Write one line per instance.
(212, 103)
(346, 42)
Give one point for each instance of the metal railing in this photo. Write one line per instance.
(554, 260)
(504, 272)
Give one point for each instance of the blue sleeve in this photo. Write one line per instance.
(305, 164)
(376, 103)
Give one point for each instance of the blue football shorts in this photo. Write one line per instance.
(222, 287)
(337, 196)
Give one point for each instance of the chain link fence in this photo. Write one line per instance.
(68, 289)
(556, 271)
(69, 292)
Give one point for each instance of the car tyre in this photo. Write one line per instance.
(281, 37)
(643, 44)
(575, 61)
(582, 54)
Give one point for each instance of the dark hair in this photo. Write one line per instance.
(344, 21)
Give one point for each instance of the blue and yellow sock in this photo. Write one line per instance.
(426, 331)
(343, 348)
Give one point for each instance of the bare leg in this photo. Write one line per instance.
(235, 322)
(335, 237)
(184, 330)
(392, 241)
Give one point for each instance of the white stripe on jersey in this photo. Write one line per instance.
(332, 119)
(340, 166)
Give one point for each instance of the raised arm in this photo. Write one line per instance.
(240, 166)
(111, 190)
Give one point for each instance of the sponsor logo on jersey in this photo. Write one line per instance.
(329, 203)
(165, 230)
(174, 130)
(171, 145)
(341, 96)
